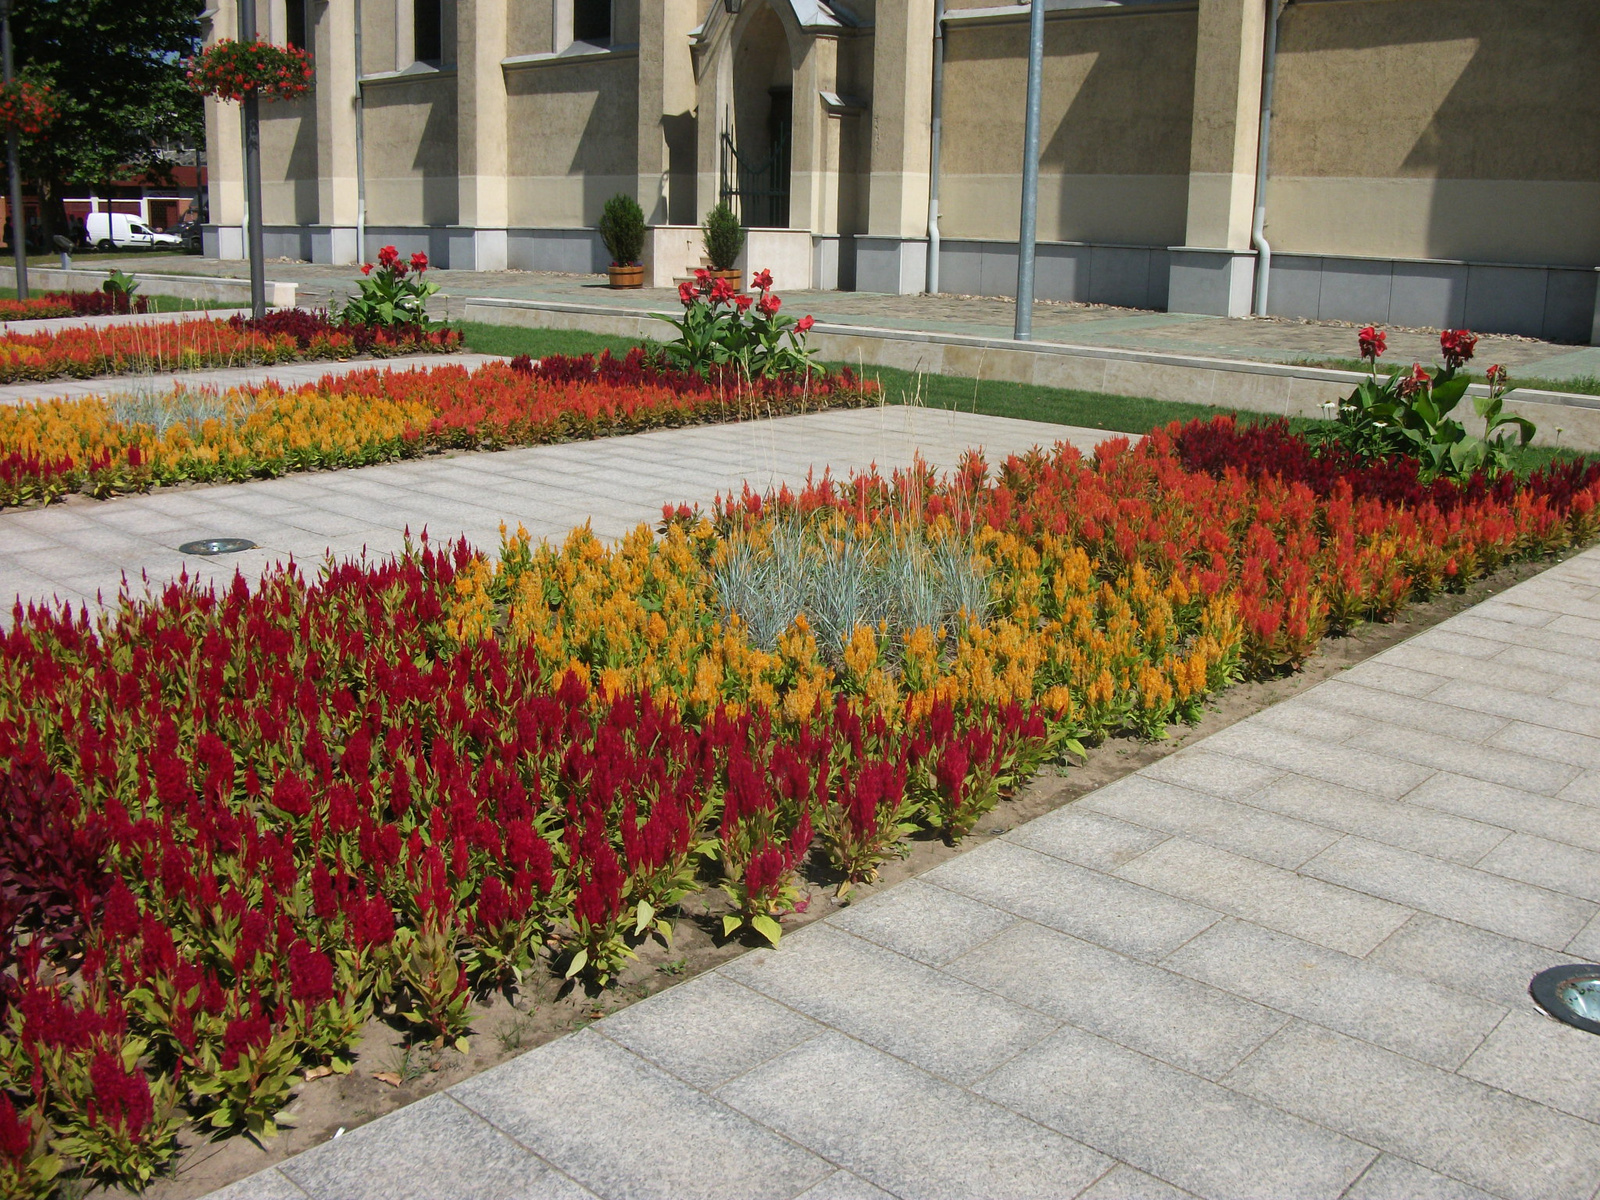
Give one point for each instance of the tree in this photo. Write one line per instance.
(116, 67)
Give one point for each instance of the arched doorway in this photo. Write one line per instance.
(757, 144)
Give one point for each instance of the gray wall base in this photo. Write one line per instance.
(1211, 282)
(898, 266)
(1072, 272)
(1554, 303)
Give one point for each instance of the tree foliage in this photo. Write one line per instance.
(116, 67)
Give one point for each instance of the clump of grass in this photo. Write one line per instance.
(897, 578)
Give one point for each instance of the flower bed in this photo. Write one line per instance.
(70, 304)
(235, 824)
(102, 445)
(284, 336)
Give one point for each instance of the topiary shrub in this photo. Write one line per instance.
(622, 229)
(724, 237)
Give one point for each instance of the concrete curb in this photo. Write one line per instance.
(184, 287)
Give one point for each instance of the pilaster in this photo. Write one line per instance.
(483, 197)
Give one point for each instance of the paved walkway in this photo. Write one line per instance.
(289, 375)
(1269, 340)
(1289, 961)
(82, 547)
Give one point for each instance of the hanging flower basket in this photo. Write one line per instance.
(26, 109)
(231, 70)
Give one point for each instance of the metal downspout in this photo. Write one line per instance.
(936, 129)
(1258, 227)
(1028, 233)
(361, 149)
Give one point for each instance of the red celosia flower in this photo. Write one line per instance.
(310, 974)
(243, 1034)
(121, 1098)
(16, 1132)
(1373, 342)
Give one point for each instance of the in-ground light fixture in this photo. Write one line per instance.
(210, 546)
(1570, 994)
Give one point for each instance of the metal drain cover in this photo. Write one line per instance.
(217, 546)
(1570, 994)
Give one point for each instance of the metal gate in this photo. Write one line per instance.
(759, 192)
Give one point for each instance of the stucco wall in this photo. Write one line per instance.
(572, 139)
(1118, 97)
(1425, 129)
(289, 161)
(411, 151)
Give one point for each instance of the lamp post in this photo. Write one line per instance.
(1030, 175)
(19, 233)
(252, 173)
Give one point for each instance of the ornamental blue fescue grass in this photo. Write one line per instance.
(897, 578)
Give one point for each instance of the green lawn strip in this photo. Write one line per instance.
(1586, 385)
(988, 397)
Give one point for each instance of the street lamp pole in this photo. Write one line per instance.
(252, 173)
(1028, 234)
(19, 232)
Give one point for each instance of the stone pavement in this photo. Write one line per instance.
(1270, 339)
(80, 548)
(220, 379)
(1289, 961)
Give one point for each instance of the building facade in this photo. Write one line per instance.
(1431, 162)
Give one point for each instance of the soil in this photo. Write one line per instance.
(547, 1007)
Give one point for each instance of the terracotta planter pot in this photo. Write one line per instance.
(734, 277)
(626, 277)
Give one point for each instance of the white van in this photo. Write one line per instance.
(113, 231)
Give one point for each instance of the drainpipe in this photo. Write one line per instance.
(936, 129)
(361, 150)
(1258, 227)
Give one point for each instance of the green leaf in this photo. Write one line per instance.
(463, 1046)
(767, 927)
(646, 913)
(730, 923)
(579, 961)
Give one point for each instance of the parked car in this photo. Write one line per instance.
(116, 231)
(189, 232)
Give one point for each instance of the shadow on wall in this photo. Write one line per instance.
(1479, 142)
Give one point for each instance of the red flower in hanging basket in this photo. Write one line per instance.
(231, 70)
(26, 109)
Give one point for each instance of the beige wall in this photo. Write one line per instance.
(572, 139)
(289, 162)
(1398, 133)
(411, 151)
(1118, 96)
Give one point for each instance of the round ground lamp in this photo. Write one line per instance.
(1570, 994)
(216, 546)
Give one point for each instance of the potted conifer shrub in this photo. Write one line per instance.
(622, 230)
(724, 240)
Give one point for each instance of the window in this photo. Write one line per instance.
(295, 23)
(591, 22)
(428, 31)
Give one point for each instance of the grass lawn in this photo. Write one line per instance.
(1587, 385)
(989, 397)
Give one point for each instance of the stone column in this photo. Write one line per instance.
(666, 109)
(333, 50)
(893, 255)
(223, 235)
(478, 242)
(1212, 272)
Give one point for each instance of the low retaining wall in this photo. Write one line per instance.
(1563, 418)
(183, 287)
